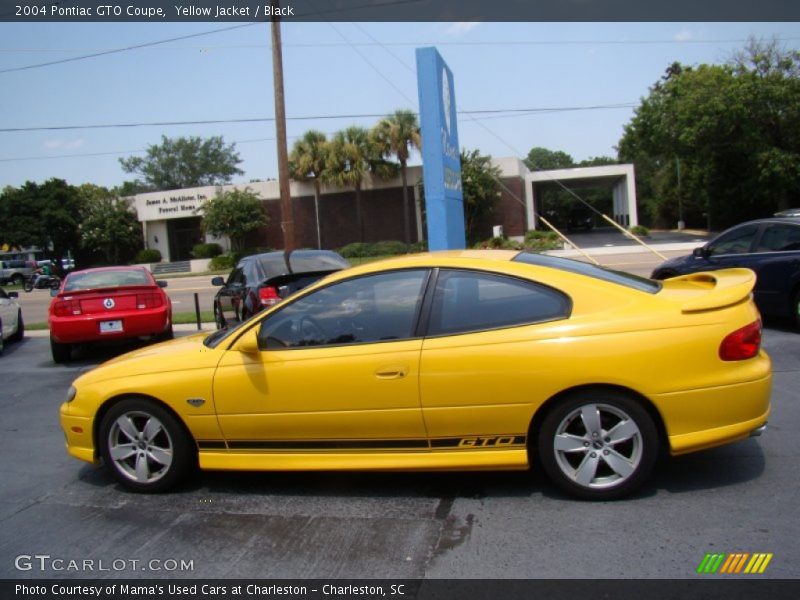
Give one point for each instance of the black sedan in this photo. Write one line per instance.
(262, 280)
(770, 247)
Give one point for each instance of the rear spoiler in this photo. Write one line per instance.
(717, 289)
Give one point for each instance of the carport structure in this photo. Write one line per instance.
(620, 178)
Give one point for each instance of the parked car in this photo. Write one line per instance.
(770, 247)
(456, 360)
(110, 303)
(262, 280)
(12, 327)
(15, 271)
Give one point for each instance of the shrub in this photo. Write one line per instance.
(356, 250)
(223, 262)
(148, 255)
(389, 248)
(640, 230)
(421, 246)
(206, 250)
(540, 241)
(498, 243)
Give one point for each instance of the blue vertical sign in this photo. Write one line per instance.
(441, 161)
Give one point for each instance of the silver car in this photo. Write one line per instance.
(12, 328)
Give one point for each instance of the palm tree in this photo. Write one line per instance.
(352, 156)
(395, 135)
(307, 163)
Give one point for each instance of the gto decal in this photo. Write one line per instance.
(481, 441)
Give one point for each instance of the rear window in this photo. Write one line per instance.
(105, 279)
(589, 270)
(300, 261)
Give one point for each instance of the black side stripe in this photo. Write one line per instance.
(465, 443)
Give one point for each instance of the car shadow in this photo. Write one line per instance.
(706, 470)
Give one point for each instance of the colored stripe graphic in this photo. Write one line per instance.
(734, 563)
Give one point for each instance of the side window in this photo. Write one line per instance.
(235, 278)
(780, 238)
(470, 301)
(374, 308)
(737, 241)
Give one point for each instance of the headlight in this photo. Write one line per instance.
(71, 393)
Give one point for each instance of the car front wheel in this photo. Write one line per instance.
(145, 447)
(598, 445)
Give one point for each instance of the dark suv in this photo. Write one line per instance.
(770, 247)
(262, 280)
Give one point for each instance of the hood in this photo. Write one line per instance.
(182, 354)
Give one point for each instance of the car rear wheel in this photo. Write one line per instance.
(17, 279)
(598, 445)
(796, 309)
(20, 332)
(1, 337)
(61, 352)
(145, 446)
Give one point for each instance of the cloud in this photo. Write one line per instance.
(684, 35)
(462, 27)
(63, 144)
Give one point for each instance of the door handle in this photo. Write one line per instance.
(391, 372)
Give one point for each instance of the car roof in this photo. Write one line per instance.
(776, 220)
(273, 264)
(114, 268)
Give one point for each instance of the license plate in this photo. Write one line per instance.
(110, 326)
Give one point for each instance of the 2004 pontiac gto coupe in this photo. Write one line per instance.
(461, 360)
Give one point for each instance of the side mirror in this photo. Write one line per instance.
(161, 283)
(700, 252)
(218, 281)
(13, 294)
(248, 343)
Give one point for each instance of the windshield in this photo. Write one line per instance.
(106, 279)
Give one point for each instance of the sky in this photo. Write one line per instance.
(330, 70)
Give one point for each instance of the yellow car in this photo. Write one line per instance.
(461, 360)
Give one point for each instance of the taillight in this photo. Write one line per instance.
(66, 308)
(742, 344)
(268, 296)
(148, 300)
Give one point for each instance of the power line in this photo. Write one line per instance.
(159, 45)
(509, 111)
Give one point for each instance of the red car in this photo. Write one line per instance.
(109, 303)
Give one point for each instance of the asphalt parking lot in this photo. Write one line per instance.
(740, 498)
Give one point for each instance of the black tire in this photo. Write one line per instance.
(55, 283)
(28, 285)
(1, 337)
(167, 335)
(61, 352)
(17, 279)
(20, 332)
(796, 309)
(142, 470)
(219, 319)
(598, 467)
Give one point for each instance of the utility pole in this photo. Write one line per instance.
(287, 216)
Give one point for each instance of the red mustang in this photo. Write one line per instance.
(109, 303)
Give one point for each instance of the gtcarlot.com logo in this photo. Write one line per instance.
(741, 563)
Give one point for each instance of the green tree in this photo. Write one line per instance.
(480, 182)
(109, 225)
(542, 159)
(45, 215)
(396, 135)
(307, 163)
(234, 214)
(184, 162)
(730, 134)
(352, 156)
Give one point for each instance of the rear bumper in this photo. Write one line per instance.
(86, 328)
(700, 419)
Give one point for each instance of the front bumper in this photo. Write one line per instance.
(79, 435)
